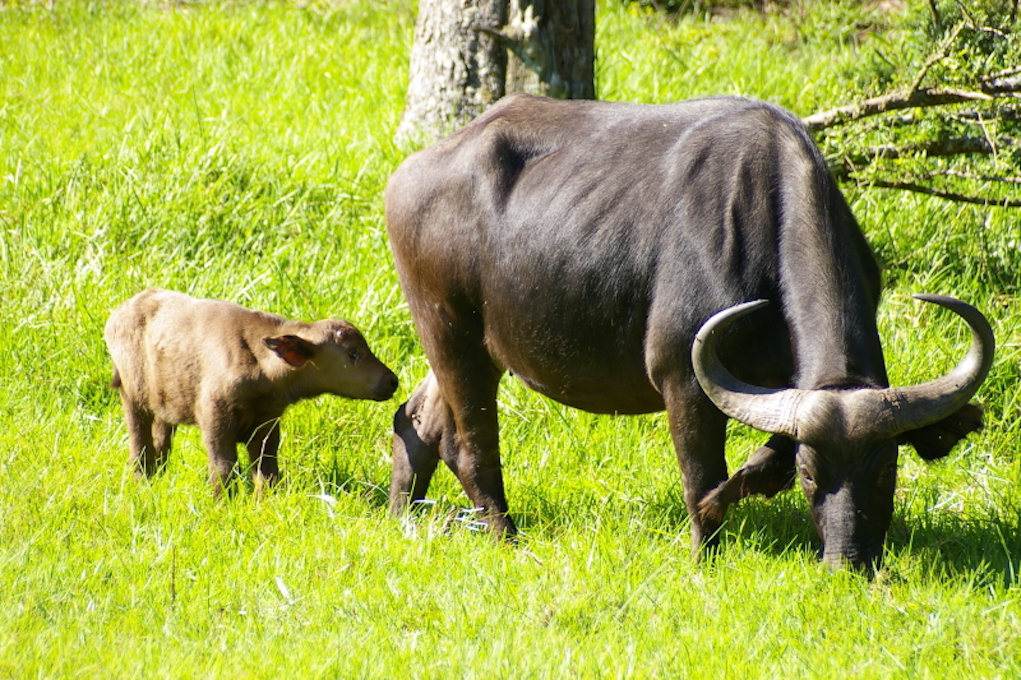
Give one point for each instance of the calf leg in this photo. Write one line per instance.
(222, 446)
(420, 425)
(698, 430)
(262, 455)
(162, 438)
(143, 456)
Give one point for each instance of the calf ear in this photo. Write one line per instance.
(936, 440)
(292, 349)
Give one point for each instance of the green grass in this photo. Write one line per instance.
(239, 150)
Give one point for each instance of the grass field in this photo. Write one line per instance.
(239, 151)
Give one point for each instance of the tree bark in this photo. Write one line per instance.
(553, 55)
(467, 54)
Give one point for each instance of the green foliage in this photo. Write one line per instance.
(967, 149)
(239, 150)
(675, 8)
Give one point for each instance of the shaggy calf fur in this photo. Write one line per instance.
(232, 372)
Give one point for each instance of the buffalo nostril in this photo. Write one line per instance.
(393, 382)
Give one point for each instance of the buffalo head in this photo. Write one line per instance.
(847, 436)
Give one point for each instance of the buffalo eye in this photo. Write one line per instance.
(806, 476)
(355, 356)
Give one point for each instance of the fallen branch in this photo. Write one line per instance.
(948, 195)
(980, 128)
(970, 175)
(895, 101)
(939, 148)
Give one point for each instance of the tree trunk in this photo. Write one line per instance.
(554, 50)
(469, 53)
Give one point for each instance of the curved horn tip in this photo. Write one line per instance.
(727, 315)
(941, 300)
(749, 306)
(976, 319)
(935, 400)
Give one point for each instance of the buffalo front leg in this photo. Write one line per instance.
(698, 430)
(768, 471)
(419, 427)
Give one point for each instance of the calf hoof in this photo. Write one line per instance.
(263, 485)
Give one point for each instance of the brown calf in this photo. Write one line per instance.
(232, 372)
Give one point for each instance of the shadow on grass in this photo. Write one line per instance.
(984, 551)
(939, 544)
(334, 477)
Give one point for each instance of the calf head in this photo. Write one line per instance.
(846, 453)
(332, 357)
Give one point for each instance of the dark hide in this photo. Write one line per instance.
(581, 245)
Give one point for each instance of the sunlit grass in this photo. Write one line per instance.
(239, 150)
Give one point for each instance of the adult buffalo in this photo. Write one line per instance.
(582, 245)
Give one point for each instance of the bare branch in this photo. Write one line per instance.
(934, 59)
(939, 148)
(891, 102)
(1014, 70)
(1001, 83)
(970, 175)
(1006, 113)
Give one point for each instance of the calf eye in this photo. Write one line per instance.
(354, 355)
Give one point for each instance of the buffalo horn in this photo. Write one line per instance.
(894, 410)
(930, 402)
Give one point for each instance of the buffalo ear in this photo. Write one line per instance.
(935, 441)
(292, 349)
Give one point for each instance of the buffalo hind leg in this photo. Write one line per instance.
(473, 455)
(426, 431)
(420, 425)
(768, 471)
(468, 382)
